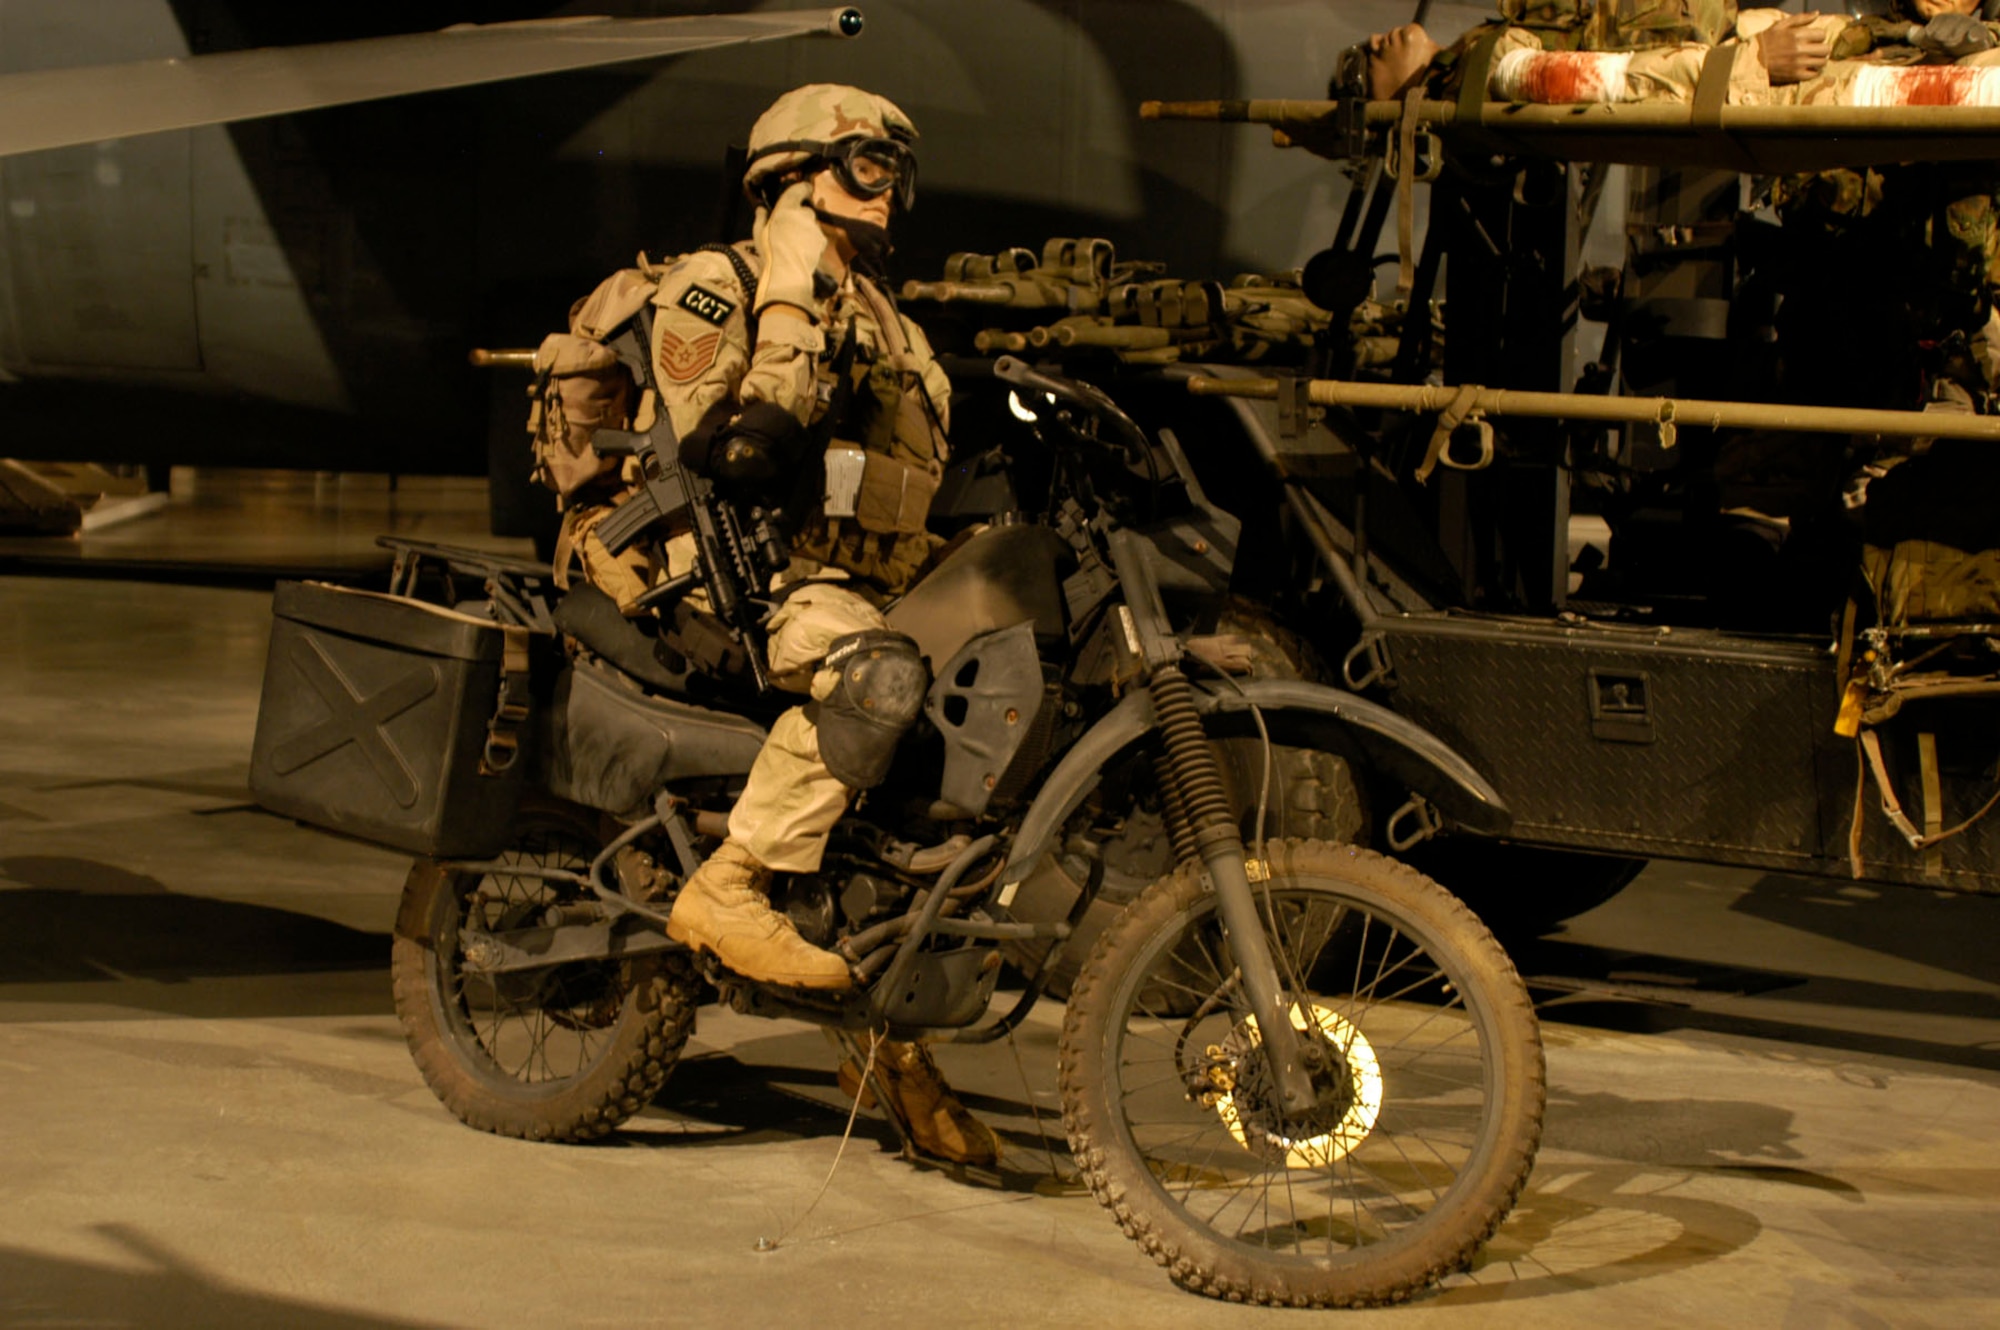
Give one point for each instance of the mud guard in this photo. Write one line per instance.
(1304, 714)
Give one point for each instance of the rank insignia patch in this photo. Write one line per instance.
(683, 361)
(705, 304)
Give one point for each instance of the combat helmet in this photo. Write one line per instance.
(864, 138)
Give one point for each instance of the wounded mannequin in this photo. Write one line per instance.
(1949, 58)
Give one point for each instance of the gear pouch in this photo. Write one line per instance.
(895, 497)
(583, 389)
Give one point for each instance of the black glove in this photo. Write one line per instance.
(751, 454)
(1953, 35)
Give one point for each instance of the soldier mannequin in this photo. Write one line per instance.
(751, 344)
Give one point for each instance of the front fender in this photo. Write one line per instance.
(1306, 715)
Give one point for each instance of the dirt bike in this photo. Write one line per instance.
(1296, 1072)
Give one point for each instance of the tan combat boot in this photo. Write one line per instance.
(723, 909)
(939, 1124)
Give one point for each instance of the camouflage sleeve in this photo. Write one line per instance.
(782, 366)
(1447, 71)
(783, 363)
(701, 338)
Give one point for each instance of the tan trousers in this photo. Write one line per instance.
(791, 801)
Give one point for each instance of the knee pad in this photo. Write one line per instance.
(880, 694)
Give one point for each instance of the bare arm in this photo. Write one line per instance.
(1793, 50)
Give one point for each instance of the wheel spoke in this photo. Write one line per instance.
(1400, 1103)
(536, 1029)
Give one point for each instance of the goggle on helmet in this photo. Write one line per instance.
(866, 167)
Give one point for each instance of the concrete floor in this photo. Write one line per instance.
(245, 524)
(210, 1118)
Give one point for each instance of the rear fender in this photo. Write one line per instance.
(1298, 714)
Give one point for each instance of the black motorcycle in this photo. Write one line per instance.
(1296, 1071)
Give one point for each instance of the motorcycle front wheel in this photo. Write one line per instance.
(1430, 1084)
(561, 1054)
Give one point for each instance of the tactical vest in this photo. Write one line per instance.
(881, 427)
(884, 460)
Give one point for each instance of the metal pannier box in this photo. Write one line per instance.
(381, 719)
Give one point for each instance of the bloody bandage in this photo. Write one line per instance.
(1561, 78)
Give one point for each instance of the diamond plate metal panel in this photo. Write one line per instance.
(1690, 745)
(1699, 755)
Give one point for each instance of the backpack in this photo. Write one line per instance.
(581, 387)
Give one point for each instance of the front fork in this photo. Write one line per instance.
(1196, 806)
(1195, 803)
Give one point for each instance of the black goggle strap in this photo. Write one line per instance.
(840, 154)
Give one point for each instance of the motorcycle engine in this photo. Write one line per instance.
(808, 901)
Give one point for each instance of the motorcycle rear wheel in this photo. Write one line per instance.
(1430, 1099)
(564, 1054)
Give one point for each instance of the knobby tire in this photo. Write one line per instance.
(562, 1055)
(1383, 1203)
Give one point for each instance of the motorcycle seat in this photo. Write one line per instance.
(590, 616)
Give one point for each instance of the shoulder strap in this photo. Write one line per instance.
(617, 298)
(746, 277)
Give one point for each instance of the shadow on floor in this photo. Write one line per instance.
(1640, 993)
(1579, 1227)
(1944, 930)
(1652, 1018)
(75, 921)
(718, 1100)
(36, 1289)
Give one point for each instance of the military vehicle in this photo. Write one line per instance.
(1637, 591)
(1500, 693)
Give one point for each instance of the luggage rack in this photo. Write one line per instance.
(518, 588)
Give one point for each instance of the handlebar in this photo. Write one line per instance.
(1010, 369)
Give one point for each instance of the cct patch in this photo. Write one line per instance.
(705, 304)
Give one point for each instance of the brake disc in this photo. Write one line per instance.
(1239, 1089)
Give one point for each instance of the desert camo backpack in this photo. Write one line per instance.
(581, 387)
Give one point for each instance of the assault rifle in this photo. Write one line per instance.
(1094, 301)
(736, 555)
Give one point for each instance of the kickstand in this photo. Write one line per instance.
(863, 1051)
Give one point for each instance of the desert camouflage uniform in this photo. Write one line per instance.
(1621, 25)
(1656, 26)
(708, 370)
